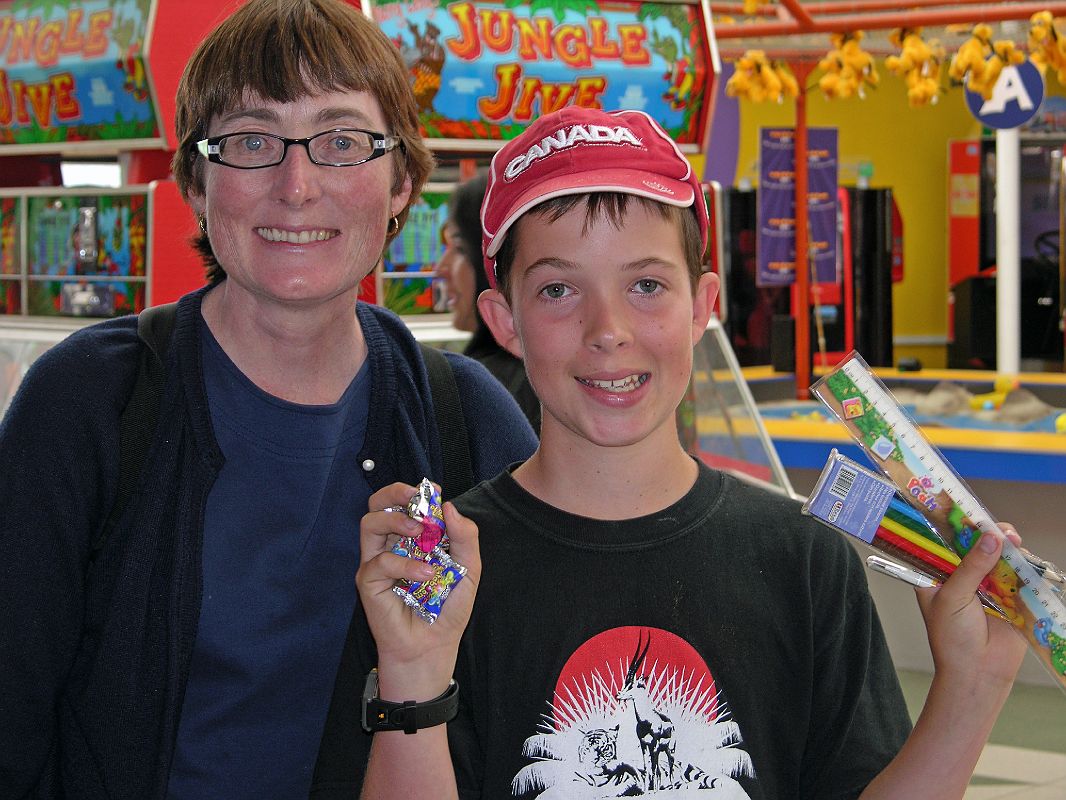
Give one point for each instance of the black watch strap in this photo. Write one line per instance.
(408, 716)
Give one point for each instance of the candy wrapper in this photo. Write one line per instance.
(425, 507)
(427, 597)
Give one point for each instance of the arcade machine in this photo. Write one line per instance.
(972, 252)
(482, 71)
(853, 312)
(89, 80)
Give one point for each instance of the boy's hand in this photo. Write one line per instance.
(968, 645)
(976, 658)
(415, 659)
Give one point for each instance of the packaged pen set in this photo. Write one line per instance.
(917, 511)
(860, 503)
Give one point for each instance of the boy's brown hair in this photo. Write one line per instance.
(282, 50)
(610, 206)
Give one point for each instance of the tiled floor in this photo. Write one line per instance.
(1025, 757)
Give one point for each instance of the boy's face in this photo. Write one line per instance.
(605, 320)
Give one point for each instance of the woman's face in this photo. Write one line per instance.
(297, 232)
(457, 273)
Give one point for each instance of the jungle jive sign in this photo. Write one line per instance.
(484, 70)
(73, 70)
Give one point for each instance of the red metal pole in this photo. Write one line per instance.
(849, 270)
(737, 10)
(801, 288)
(850, 22)
(734, 9)
(866, 6)
(798, 12)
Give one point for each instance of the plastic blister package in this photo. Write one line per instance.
(860, 503)
(1026, 590)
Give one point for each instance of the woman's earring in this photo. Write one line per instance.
(393, 227)
(202, 222)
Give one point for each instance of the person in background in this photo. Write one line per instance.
(459, 269)
(634, 622)
(200, 652)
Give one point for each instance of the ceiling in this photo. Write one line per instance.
(799, 29)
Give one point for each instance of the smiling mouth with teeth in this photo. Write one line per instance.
(620, 386)
(295, 237)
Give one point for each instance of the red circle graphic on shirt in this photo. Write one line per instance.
(635, 711)
(669, 668)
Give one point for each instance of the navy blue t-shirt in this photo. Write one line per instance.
(281, 548)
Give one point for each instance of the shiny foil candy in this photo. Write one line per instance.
(426, 598)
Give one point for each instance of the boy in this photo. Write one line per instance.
(644, 624)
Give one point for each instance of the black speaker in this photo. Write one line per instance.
(783, 343)
(871, 253)
(751, 308)
(974, 343)
(974, 304)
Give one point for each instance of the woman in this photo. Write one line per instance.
(198, 656)
(464, 282)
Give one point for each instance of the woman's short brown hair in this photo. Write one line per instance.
(282, 50)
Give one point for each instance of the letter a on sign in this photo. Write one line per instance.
(1009, 87)
(1016, 98)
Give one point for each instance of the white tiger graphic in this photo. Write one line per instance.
(634, 733)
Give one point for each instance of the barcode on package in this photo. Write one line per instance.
(842, 483)
(850, 498)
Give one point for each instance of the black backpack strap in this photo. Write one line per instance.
(137, 424)
(455, 446)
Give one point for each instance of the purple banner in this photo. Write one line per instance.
(822, 203)
(776, 247)
(776, 205)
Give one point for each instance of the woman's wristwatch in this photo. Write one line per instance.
(408, 716)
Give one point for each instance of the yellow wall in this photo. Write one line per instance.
(908, 150)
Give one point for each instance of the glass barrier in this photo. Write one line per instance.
(719, 422)
(18, 349)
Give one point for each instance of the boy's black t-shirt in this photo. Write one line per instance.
(724, 647)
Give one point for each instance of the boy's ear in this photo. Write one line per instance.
(703, 303)
(496, 312)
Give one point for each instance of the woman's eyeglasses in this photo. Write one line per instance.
(341, 147)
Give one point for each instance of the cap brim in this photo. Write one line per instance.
(626, 181)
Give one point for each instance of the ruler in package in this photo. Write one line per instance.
(897, 447)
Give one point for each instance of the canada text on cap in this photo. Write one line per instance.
(582, 150)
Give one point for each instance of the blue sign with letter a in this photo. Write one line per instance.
(1015, 99)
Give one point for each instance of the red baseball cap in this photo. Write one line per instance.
(579, 150)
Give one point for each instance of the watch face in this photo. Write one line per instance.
(371, 715)
(375, 717)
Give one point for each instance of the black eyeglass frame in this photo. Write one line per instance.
(209, 147)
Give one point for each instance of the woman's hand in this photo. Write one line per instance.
(969, 646)
(415, 659)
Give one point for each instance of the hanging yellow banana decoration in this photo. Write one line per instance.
(980, 61)
(759, 79)
(1047, 49)
(918, 63)
(848, 68)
